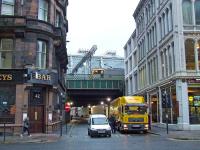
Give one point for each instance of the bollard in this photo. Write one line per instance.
(61, 128)
(66, 128)
(4, 132)
(167, 123)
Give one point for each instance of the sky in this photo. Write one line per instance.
(105, 23)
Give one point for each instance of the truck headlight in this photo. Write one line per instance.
(125, 126)
(146, 126)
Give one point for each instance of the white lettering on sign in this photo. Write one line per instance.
(39, 76)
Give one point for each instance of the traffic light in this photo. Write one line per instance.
(67, 107)
(164, 100)
(168, 101)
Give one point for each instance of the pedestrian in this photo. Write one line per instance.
(26, 125)
(112, 122)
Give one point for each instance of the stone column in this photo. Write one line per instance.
(182, 98)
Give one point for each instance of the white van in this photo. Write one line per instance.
(98, 125)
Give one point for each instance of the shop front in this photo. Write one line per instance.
(194, 101)
(30, 93)
(177, 103)
(10, 82)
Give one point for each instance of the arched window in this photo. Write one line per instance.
(197, 12)
(187, 12)
(189, 54)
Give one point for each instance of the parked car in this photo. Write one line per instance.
(98, 125)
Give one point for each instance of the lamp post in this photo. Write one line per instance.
(108, 100)
(103, 105)
(84, 64)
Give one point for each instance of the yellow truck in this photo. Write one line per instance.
(130, 113)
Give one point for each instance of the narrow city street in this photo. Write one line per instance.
(77, 139)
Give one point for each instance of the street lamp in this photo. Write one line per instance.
(103, 105)
(108, 100)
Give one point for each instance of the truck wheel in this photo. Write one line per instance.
(145, 131)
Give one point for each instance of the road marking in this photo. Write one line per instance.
(183, 140)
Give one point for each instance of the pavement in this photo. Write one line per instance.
(175, 134)
(35, 137)
(45, 138)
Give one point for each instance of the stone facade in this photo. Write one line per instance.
(33, 49)
(162, 61)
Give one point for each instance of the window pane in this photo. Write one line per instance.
(43, 10)
(6, 48)
(7, 7)
(197, 12)
(58, 19)
(175, 105)
(162, 64)
(8, 1)
(187, 11)
(189, 54)
(41, 55)
(6, 44)
(198, 51)
(7, 103)
(6, 59)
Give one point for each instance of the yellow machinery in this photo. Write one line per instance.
(130, 113)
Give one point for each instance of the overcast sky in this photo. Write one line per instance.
(105, 23)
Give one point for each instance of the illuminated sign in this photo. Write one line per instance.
(40, 76)
(12, 75)
(5, 77)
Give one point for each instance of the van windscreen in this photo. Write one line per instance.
(99, 121)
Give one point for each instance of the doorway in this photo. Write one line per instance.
(36, 110)
(36, 115)
(155, 108)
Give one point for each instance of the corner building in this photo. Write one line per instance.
(33, 60)
(162, 56)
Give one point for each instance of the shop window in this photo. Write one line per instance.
(7, 104)
(43, 10)
(189, 54)
(172, 108)
(7, 7)
(41, 54)
(6, 49)
(194, 105)
(175, 106)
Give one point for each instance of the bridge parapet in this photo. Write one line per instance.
(95, 82)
